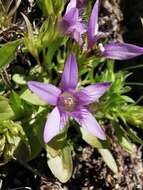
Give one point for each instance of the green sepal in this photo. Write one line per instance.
(109, 159)
(61, 165)
(93, 141)
(123, 139)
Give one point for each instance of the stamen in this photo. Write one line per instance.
(67, 102)
(101, 47)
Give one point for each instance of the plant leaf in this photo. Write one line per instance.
(19, 79)
(61, 165)
(133, 135)
(93, 141)
(7, 53)
(109, 159)
(55, 146)
(30, 97)
(46, 6)
(34, 134)
(6, 111)
(12, 135)
(123, 139)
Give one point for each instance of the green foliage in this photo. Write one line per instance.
(62, 161)
(109, 159)
(59, 156)
(123, 139)
(11, 135)
(7, 11)
(31, 41)
(117, 106)
(51, 7)
(30, 97)
(6, 111)
(7, 53)
(55, 146)
(93, 141)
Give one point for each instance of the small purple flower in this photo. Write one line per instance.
(71, 22)
(69, 102)
(119, 51)
(93, 26)
(81, 3)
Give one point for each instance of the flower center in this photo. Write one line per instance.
(101, 47)
(67, 102)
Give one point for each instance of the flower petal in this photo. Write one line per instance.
(92, 93)
(93, 25)
(77, 32)
(89, 123)
(81, 4)
(54, 125)
(70, 74)
(121, 51)
(46, 92)
(72, 4)
(71, 17)
(72, 25)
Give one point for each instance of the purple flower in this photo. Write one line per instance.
(93, 26)
(69, 102)
(119, 51)
(81, 3)
(71, 22)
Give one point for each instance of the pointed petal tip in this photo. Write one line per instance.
(102, 136)
(121, 51)
(107, 84)
(93, 25)
(46, 139)
(72, 4)
(92, 92)
(70, 73)
(87, 121)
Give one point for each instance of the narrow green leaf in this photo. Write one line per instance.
(109, 159)
(52, 47)
(133, 135)
(13, 10)
(46, 6)
(7, 53)
(128, 99)
(123, 139)
(16, 103)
